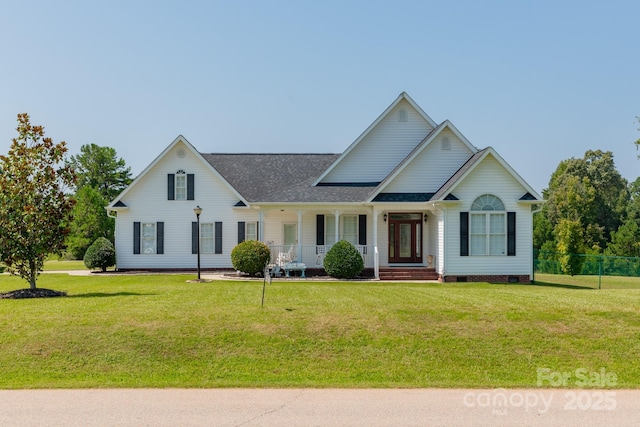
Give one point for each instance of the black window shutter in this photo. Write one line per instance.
(160, 238)
(511, 233)
(319, 229)
(194, 237)
(362, 229)
(258, 231)
(240, 231)
(171, 186)
(464, 233)
(190, 186)
(218, 230)
(136, 238)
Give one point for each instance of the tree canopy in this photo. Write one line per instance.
(100, 168)
(90, 221)
(34, 208)
(589, 191)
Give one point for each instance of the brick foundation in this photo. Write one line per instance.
(498, 278)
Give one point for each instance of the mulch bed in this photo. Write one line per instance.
(32, 293)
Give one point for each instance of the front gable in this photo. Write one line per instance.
(389, 139)
(490, 174)
(180, 157)
(442, 153)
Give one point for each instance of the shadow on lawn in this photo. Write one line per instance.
(106, 294)
(560, 285)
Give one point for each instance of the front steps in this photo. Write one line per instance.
(408, 273)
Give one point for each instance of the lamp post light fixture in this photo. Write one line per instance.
(198, 210)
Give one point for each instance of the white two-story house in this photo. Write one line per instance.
(415, 197)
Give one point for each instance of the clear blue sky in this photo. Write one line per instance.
(540, 81)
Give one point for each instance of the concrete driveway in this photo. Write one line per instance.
(319, 407)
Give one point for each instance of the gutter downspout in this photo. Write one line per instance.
(115, 233)
(533, 260)
(376, 265)
(443, 209)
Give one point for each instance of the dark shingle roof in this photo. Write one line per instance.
(403, 197)
(287, 178)
(443, 192)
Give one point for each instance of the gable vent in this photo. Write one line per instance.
(402, 115)
(446, 143)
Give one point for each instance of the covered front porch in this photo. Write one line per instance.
(390, 238)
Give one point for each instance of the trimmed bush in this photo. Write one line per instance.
(101, 254)
(250, 256)
(343, 261)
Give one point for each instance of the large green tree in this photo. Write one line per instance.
(569, 236)
(90, 221)
(34, 206)
(590, 191)
(100, 168)
(626, 240)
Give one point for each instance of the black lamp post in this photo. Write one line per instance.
(198, 210)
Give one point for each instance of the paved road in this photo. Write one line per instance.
(318, 407)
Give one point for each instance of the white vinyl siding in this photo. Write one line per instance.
(383, 148)
(432, 167)
(147, 199)
(489, 175)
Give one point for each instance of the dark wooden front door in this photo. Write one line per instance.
(405, 238)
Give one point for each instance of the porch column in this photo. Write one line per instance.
(336, 217)
(261, 226)
(376, 266)
(300, 235)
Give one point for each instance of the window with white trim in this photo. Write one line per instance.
(348, 229)
(251, 230)
(149, 242)
(207, 242)
(181, 185)
(487, 226)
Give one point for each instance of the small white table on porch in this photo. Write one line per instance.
(294, 266)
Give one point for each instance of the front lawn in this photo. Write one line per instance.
(160, 331)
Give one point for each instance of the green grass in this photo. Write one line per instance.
(55, 265)
(592, 282)
(160, 331)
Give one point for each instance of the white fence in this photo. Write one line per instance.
(313, 256)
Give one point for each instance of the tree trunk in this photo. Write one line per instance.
(33, 274)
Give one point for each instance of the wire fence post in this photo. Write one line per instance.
(600, 273)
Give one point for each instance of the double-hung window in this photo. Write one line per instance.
(251, 231)
(207, 242)
(149, 238)
(487, 226)
(181, 186)
(348, 229)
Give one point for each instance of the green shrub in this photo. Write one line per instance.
(343, 261)
(101, 254)
(250, 256)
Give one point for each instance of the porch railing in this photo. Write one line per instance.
(313, 256)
